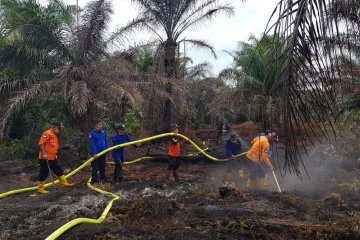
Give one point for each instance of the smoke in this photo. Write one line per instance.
(321, 162)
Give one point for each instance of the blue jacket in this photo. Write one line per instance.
(98, 141)
(120, 139)
(233, 148)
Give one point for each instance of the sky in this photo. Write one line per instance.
(223, 32)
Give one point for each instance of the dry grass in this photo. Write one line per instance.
(350, 186)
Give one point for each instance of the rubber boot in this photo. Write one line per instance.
(41, 188)
(264, 181)
(168, 175)
(241, 173)
(64, 182)
(176, 175)
(249, 183)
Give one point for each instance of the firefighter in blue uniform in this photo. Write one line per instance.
(233, 145)
(119, 137)
(98, 141)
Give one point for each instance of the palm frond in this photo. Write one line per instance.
(90, 35)
(10, 85)
(310, 73)
(122, 33)
(201, 16)
(40, 42)
(201, 44)
(23, 99)
(199, 71)
(79, 98)
(121, 91)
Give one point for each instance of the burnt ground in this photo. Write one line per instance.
(326, 206)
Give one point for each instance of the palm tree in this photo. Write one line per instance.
(168, 20)
(18, 15)
(253, 61)
(313, 41)
(349, 12)
(84, 75)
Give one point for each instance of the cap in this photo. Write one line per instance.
(262, 134)
(173, 126)
(57, 124)
(121, 127)
(232, 136)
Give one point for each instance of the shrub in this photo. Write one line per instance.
(15, 149)
(351, 115)
(131, 122)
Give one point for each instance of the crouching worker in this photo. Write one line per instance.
(233, 146)
(48, 157)
(258, 153)
(174, 154)
(118, 154)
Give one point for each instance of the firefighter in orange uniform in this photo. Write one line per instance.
(258, 153)
(48, 157)
(174, 154)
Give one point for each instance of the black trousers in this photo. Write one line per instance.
(44, 170)
(174, 162)
(118, 171)
(98, 165)
(256, 171)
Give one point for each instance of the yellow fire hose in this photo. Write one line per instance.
(134, 161)
(76, 221)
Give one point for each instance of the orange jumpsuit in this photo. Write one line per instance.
(259, 151)
(50, 142)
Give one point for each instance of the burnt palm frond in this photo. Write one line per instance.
(11, 85)
(199, 71)
(204, 12)
(24, 98)
(90, 35)
(79, 98)
(201, 44)
(119, 91)
(121, 34)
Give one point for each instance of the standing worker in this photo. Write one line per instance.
(98, 141)
(48, 157)
(258, 153)
(233, 145)
(119, 137)
(174, 154)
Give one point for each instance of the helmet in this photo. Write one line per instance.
(121, 127)
(173, 126)
(57, 124)
(262, 134)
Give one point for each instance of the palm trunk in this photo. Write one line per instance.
(170, 71)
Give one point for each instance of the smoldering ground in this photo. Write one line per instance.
(319, 207)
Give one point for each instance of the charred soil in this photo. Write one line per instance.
(210, 202)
